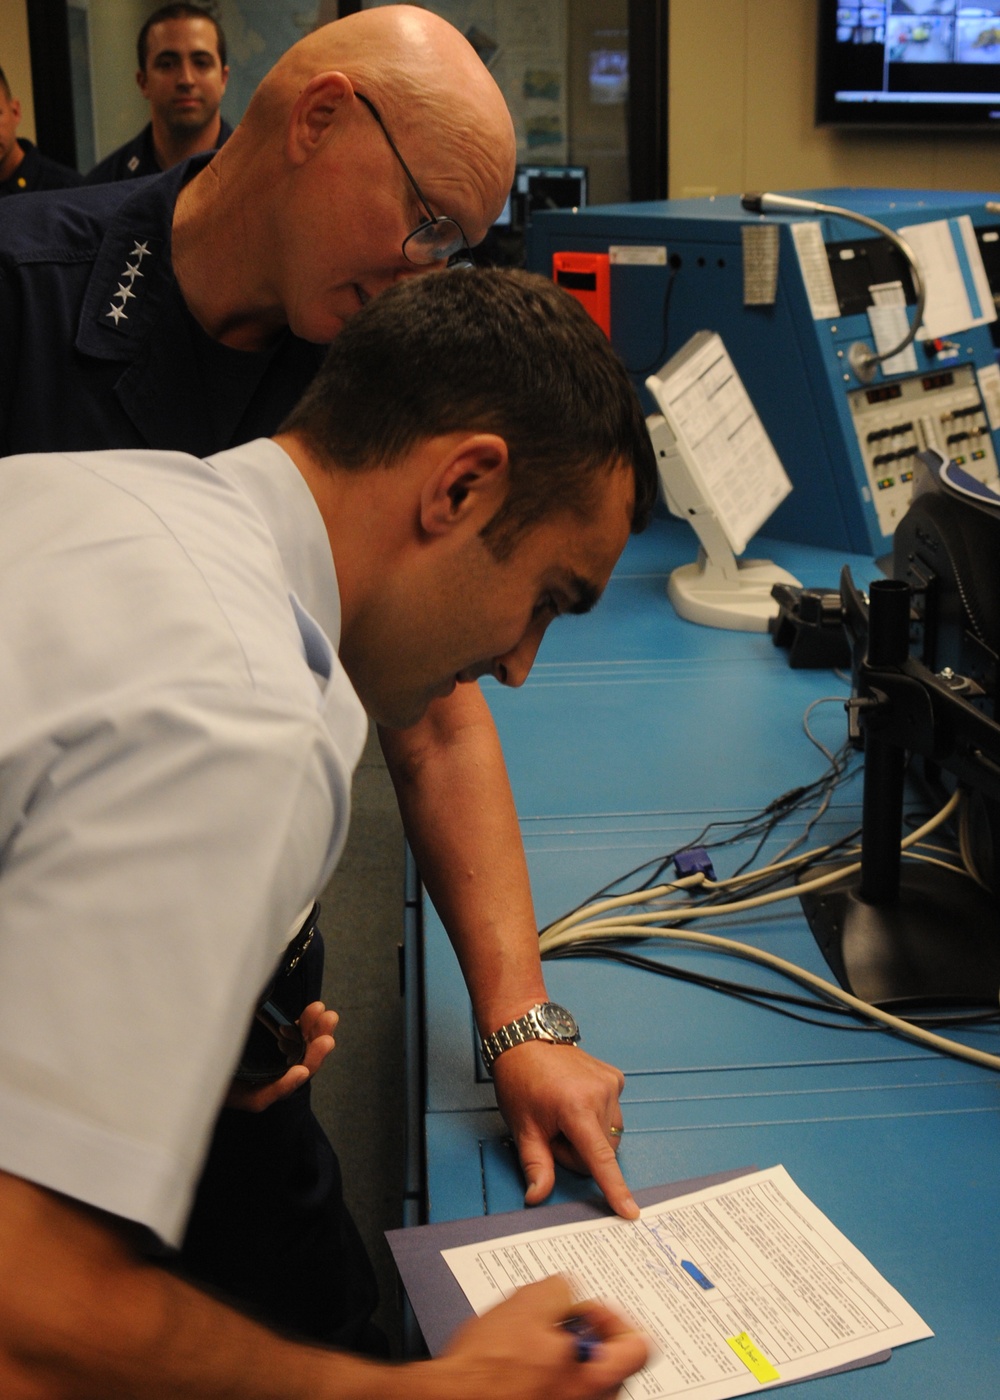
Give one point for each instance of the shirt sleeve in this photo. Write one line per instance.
(152, 871)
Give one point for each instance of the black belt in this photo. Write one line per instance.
(274, 1034)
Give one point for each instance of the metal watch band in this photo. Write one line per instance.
(518, 1032)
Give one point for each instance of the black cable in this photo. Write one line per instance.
(767, 998)
(616, 953)
(793, 800)
(776, 811)
(661, 354)
(775, 879)
(762, 997)
(763, 824)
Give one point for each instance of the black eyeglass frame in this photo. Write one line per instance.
(458, 257)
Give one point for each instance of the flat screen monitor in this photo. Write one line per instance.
(543, 187)
(900, 63)
(535, 187)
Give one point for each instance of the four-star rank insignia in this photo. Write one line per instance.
(126, 284)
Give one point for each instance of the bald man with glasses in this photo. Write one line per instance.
(188, 312)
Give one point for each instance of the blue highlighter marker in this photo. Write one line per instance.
(587, 1340)
(696, 1274)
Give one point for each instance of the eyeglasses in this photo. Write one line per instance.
(439, 239)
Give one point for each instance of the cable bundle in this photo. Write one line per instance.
(658, 909)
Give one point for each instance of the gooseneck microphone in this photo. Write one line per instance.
(862, 359)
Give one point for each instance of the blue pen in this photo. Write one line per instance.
(587, 1340)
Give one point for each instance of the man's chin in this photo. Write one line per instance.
(398, 720)
(321, 322)
(403, 715)
(185, 123)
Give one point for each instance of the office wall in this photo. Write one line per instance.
(741, 113)
(15, 60)
(120, 109)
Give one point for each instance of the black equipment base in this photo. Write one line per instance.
(937, 944)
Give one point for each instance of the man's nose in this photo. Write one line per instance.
(186, 76)
(515, 665)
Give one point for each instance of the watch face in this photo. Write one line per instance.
(557, 1021)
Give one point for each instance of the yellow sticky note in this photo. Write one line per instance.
(752, 1357)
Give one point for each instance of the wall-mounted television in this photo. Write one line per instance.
(909, 63)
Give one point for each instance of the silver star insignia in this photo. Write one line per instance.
(118, 312)
(132, 271)
(124, 292)
(140, 251)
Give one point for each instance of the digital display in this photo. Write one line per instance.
(938, 381)
(883, 393)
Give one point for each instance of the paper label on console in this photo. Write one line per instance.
(637, 255)
(989, 387)
(808, 240)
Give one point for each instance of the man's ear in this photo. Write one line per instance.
(467, 485)
(140, 77)
(314, 113)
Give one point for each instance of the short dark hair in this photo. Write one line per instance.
(5, 86)
(178, 11)
(492, 350)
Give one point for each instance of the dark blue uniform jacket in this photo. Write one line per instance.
(98, 349)
(138, 157)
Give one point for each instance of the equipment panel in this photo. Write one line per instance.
(793, 309)
(896, 420)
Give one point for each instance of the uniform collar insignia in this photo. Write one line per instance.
(116, 310)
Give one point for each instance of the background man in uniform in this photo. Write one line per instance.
(189, 314)
(193, 643)
(182, 75)
(23, 168)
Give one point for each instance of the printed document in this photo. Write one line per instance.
(735, 470)
(958, 288)
(740, 1286)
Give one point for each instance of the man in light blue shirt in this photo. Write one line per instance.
(187, 312)
(190, 649)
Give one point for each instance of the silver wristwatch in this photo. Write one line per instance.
(545, 1021)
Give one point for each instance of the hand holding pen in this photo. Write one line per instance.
(542, 1345)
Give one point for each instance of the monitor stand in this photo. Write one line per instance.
(936, 944)
(903, 937)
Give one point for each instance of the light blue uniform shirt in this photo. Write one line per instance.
(177, 740)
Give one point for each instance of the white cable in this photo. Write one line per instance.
(587, 924)
(943, 864)
(562, 935)
(803, 975)
(700, 881)
(683, 913)
(965, 847)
